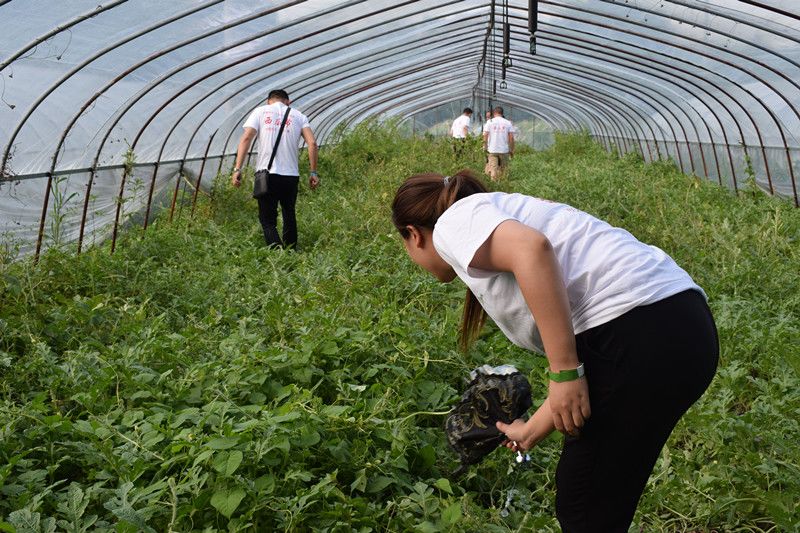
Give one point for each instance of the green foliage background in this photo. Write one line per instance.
(196, 381)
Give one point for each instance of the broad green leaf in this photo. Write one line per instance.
(378, 483)
(308, 437)
(360, 483)
(227, 463)
(226, 501)
(222, 443)
(265, 484)
(444, 485)
(452, 514)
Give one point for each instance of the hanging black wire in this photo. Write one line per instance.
(533, 16)
(506, 45)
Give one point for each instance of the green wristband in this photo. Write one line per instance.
(566, 375)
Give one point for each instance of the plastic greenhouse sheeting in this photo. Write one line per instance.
(108, 110)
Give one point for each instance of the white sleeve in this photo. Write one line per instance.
(485, 127)
(253, 121)
(463, 229)
(304, 121)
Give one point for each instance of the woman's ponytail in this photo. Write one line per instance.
(419, 202)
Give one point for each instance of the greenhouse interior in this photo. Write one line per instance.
(175, 356)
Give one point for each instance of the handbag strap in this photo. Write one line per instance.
(278, 139)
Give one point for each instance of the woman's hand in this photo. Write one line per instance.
(518, 435)
(525, 435)
(569, 403)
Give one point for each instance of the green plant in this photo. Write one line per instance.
(196, 381)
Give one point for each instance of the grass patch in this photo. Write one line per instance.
(197, 381)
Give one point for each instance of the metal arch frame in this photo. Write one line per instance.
(733, 64)
(679, 107)
(314, 74)
(356, 111)
(582, 88)
(91, 59)
(692, 75)
(762, 65)
(402, 74)
(566, 120)
(195, 61)
(249, 86)
(659, 53)
(562, 120)
(602, 105)
(571, 41)
(67, 25)
(728, 63)
(770, 8)
(555, 64)
(646, 89)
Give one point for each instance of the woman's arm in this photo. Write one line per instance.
(517, 248)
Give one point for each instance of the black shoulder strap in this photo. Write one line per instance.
(278, 139)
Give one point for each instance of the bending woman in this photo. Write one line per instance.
(628, 336)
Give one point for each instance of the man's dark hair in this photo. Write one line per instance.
(467, 111)
(278, 94)
(499, 110)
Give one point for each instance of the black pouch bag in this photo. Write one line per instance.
(261, 181)
(260, 184)
(494, 394)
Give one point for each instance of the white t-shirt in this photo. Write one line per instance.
(607, 271)
(266, 121)
(457, 129)
(498, 129)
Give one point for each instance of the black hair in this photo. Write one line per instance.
(278, 94)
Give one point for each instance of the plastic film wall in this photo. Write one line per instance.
(110, 111)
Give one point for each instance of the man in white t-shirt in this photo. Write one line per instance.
(284, 174)
(460, 127)
(498, 142)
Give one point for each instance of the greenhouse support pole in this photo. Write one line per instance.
(40, 238)
(200, 174)
(150, 196)
(175, 194)
(86, 200)
(119, 209)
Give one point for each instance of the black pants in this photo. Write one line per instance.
(281, 190)
(644, 369)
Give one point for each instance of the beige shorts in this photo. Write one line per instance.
(496, 165)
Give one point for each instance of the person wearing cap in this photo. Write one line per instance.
(284, 174)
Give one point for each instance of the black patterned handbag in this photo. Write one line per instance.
(494, 394)
(261, 181)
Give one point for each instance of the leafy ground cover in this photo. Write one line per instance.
(196, 381)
